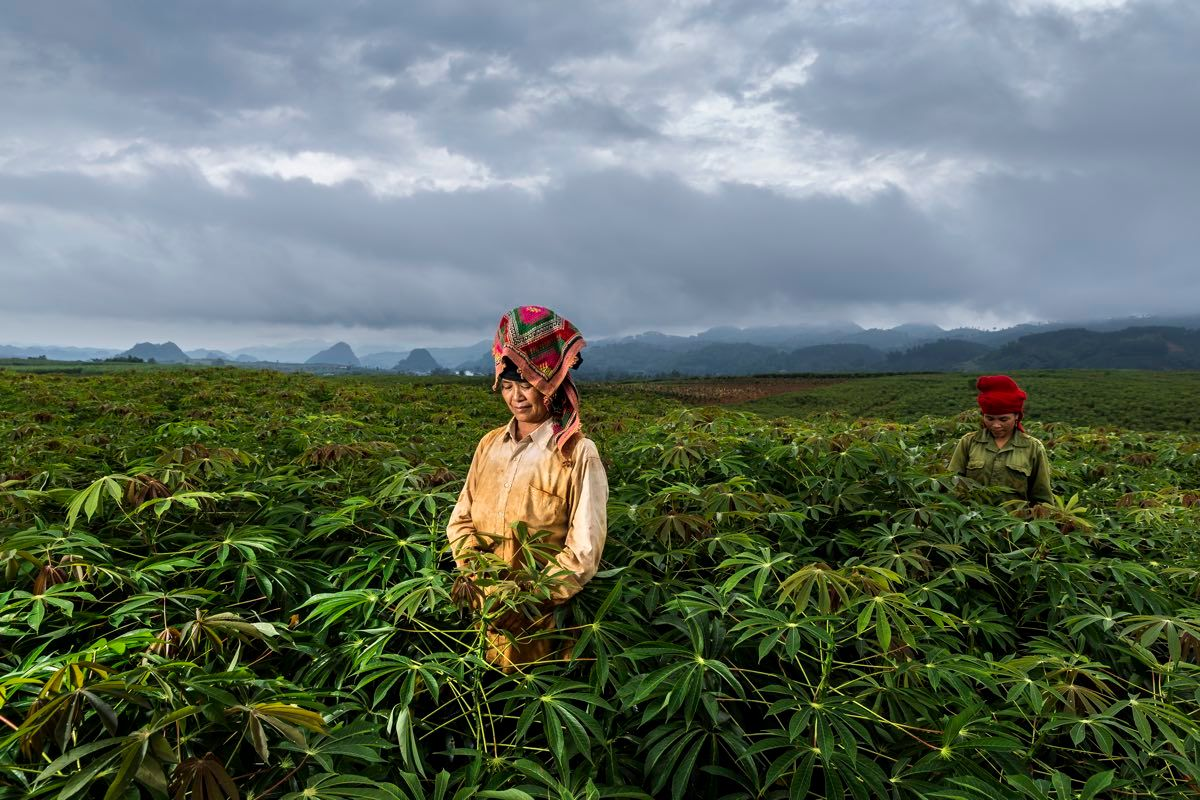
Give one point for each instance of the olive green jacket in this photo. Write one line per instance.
(1021, 466)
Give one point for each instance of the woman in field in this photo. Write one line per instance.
(1001, 454)
(538, 470)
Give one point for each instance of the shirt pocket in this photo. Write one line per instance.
(975, 469)
(545, 510)
(1017, 472)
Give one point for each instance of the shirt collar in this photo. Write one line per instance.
(541, 436)
(1019, 438)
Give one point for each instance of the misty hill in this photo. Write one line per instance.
(833, 358)
(165, 353)
(1189, 321)
(54, 353)
(663, 340)
(729, 350)
(385, 360)
(940, 356)
(418, 362)
(289, 353)
(784, 336)
(210, 355)
(340, 354)
(748, 359)
(899, 338)
(449, 356)
(1132, 348)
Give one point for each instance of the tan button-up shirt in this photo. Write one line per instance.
(524, 480)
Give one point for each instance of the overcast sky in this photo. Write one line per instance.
(399, 173)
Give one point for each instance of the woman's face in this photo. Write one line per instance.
(525, 402)
(1000, 425)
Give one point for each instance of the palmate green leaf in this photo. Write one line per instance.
(428, 591)
(411, 675)
(59, 714)
(790, 635)
(830, 589)
(79, 754)
(333, 606)
(892, 611)
(763, 565)
(1096, 784)
(1150, 630)
(85, 779)
(327, 786)
(286, 718)
(565, 711)
(688, 680)
(401, 726)
(359, 741)
(60, 597)
(192, 500)
(671, 759)
(89, 499)
(568, 786)
(139, 760)
(213, 630)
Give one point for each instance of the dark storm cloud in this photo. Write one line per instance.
(421, 164)
(1111, 244)
(290, 252)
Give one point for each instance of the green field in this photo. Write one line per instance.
(39, 366)
(227, 583)
(1132, 399)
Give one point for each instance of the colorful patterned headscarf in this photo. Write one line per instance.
(543, 346)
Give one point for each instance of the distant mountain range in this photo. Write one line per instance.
(1135, 342)
(1148, 347)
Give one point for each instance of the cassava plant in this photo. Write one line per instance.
(233, 584)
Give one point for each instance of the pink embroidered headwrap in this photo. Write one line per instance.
(543, 346)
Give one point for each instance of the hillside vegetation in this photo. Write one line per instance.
(1151, 348)
(226, 584)
(1137, 400)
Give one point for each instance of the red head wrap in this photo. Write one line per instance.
(999, 394)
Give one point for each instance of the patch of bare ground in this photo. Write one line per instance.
(729, 391)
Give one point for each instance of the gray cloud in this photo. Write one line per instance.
(419, 166)
(1044, 86)
(292, 252)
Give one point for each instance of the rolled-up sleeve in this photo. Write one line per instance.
(588, 528)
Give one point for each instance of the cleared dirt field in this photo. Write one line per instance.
(725, 391)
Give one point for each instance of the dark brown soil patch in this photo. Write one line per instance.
(729, 391)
